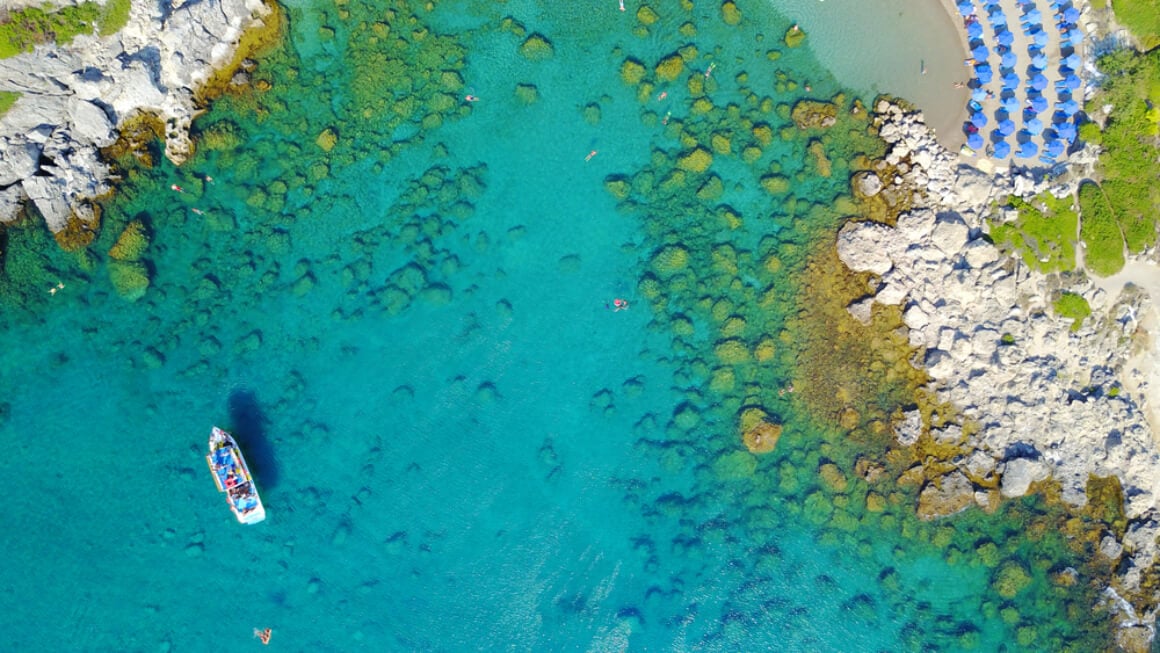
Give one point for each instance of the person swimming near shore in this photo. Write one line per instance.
(264, 635)
(590, 155)
(176, 188)
(471, 98)
(619, 304)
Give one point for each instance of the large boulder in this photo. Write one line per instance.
(18, 159)
(91, 124)
(949, 234)
(1019, 474)
(864, 247)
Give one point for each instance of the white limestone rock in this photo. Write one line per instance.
(1018, 474)
(19, 158)
(949, 234)
(864, 246)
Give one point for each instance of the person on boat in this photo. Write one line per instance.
(264, 635)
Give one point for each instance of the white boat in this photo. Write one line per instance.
(233, 477)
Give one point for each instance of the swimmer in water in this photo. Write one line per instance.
(198, 211)
(177, 188)
(590, 155)
(665, 120)
(264, 635)
(622, 5)
(663, 95)
(471, 98)
(709, 70)
(619, 305)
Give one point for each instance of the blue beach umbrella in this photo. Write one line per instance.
(1071, 61)
(1033, 16)
(1066, 131)
(1071, 14)
(1010, 104)
(1054, 148)
(979, 94)
(980, 52)
(1010, 81)
(1038, 103)
(1069, 108)
(975, 30)
(1039, 38)
(1005, 127)
(1034, 126)
(966, 8)
(1038, 82)
(1039, 60)
(1005, 38)
(1028, 150)
(1009, 60)
(997, 15)
(1071, 81)
(975, 141)
(1001, 150)
(979, 120)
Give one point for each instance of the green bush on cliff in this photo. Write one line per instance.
(33, 26)
(1105, 246)
(1128, 165)
(1043, 234)
(1141, 18)
(7, 99)
(1074, 307)
(113, 17)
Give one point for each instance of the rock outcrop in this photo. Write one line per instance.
(74, 98)
(1047, 399)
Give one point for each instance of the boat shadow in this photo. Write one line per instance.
(248, 424)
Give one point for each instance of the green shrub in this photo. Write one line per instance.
(1044, 237)
(1105, 245)
(7, 99)
(114, 16)
(1074, 307)
(32, 26)
(1141, 18)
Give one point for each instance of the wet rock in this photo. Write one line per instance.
(867, 184)
(909, 429)
(947, 495)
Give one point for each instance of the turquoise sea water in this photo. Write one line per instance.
(460, 446)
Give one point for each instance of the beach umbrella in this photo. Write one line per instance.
(979, 119)
(1028, 150)
(1033, 16)
(1038, 82)
(997, 15)
(1071, 61)
(1071, 14)
(1054, 148)
(975, 141)
(1066, 131)
(1005, 127)
(1001, 150)
(1009, 60)
(1071, 81)
(1034, 126)
(1037, 103)
(1039, 61)
(1069, 108)
(979, 94)
(980, 52)
(1039, 38)
(1010, 104)
(966, 8)
(1010, 81)
(1005, 38)
(975, 30)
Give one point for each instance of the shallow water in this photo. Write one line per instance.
(460, 446)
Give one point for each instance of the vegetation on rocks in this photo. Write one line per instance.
(1072, 306)
(1044, 234)
(1141, 17)
(25, 29)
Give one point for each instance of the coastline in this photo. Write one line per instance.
(1044, 401)
(75, 103)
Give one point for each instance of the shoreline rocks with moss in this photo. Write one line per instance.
(74, 98)
(1042, 396)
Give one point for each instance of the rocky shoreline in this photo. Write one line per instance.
(1045, 400)
(74, 100)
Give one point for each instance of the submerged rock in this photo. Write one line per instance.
(945, 496)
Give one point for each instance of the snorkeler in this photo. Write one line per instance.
(264, 635)
(619, 305)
